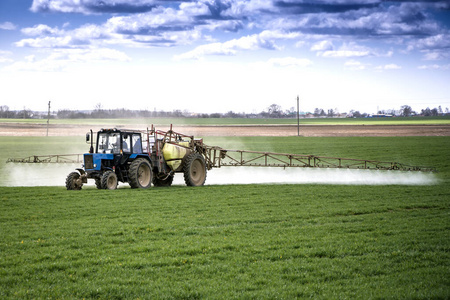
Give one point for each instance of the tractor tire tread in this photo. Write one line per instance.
(133, 173)
(71, 181)
(188, 172)
(105, 179)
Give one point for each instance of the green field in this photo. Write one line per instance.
(244, 121)
(232, 241)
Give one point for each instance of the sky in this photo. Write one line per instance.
(208, 56)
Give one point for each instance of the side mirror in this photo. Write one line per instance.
(88, 137)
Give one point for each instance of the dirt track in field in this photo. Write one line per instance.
(23, 129)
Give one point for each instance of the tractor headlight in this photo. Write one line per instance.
(95, 166)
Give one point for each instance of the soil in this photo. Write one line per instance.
(23, 129)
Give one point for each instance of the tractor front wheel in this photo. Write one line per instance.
(140, 174)
(109, 180)
(194, 170)
(73, 181)
(98, 183)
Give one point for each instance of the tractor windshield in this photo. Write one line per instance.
(108, 142)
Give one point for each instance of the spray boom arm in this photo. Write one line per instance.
(217, 157)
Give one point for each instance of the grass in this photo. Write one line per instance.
(241, 121)
(246, 241)
(235, 241)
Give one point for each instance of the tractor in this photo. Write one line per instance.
(139, 158)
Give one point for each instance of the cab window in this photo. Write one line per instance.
(126, 143)
(137, 144)
(108, 143)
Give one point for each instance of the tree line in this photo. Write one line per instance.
(273, 111)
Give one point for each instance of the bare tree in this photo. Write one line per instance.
(275, 111)
(406, 111)
(4, 111)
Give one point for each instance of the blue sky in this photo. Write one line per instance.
(224, 55)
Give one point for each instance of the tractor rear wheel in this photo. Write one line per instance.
(140, 174)
(109, 180)
(194, 170)
(73, 181)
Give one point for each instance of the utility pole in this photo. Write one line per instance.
(298, 117)
(48, 116)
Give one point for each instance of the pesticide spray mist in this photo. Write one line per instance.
(55, 175)
(36, 174)
(259, 175)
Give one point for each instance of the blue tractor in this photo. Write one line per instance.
(139, 158)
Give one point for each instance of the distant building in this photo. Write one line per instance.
(380, 116)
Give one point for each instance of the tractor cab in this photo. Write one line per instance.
(119, 142)
(114, 149)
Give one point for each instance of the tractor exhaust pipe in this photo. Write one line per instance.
(90, 137)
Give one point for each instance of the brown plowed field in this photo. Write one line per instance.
(23, 129)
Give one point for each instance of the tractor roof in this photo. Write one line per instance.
(111, 130)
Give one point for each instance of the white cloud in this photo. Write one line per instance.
(250, 42)
(290, 61)
(92, 6)
(91, 55)
(263, 40)
(66, 6)
(438, 54)
(346, 19)
(5, 56)
(222, 25)
(7, 26)
(5, 59)
(46, 42)
(433, 47)
(164, 27)
(279, 35)
(40, 29)
(30, 58)
(434, 42)
(45, 36)
(45, 65)
(388, 67)
(167, 18)
(322, 46)
(60, 59)
(194, 8)
(354, 65)
(344, 53)
(82, 37)
(160, 27)
(434, 67)
(209, 49)
(347, 50)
